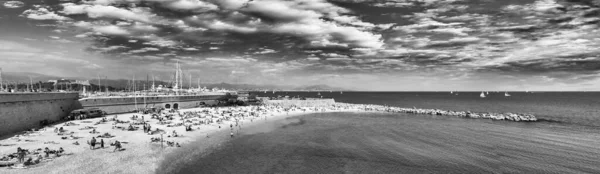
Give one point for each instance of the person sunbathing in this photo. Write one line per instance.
(60, 150)
(47, 151)
(38, 159)
(94, 131)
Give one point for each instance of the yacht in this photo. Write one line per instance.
(506, 94)
(482, 95)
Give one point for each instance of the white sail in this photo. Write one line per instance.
(506, 94)
(451, 92)
(482, 95)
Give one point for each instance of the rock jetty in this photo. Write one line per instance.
(467, 114)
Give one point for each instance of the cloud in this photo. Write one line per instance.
(346, 36)
(41, 13)
(99, 11)
(110, 30)
(13, 4)
(143, 50)
(266, 51)
(194, 5)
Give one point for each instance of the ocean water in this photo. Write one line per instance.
(578, 108)
(408, 143)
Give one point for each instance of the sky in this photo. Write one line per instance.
(379, 45)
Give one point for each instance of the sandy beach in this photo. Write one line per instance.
(139, 154)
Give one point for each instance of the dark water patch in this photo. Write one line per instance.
(295, 122)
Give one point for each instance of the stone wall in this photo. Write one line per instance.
(124, 108)
(23, 111)
(302, 103)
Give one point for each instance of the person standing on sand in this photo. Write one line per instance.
(93, 143)
(117, 146)
(102, 143)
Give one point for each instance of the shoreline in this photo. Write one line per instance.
(142, 155)
(139, 156)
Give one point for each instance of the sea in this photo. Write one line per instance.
(566, 139)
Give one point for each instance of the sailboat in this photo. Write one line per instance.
(451, 92)
(341, 92)
(319, 93)
(506, 94)
(482, 95)
(487, 93)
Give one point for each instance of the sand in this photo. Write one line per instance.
(139, 154)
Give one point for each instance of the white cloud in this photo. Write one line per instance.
(266, 51)
(190, 49)
(98, 11)
(143, 50)
(219, 25)
(231, 59)
(13, 4)
(195, 5)
(41, 13)
(111, 30)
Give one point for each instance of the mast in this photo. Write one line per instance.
(134, 96)
(145, 92)
(177, 74)
(1, 85)
(99, 86)
(106, 86)
(153, 87)
(30, 84)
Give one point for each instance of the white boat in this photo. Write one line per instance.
(451, 92)
(506, 94)
(341, 92)
(319, 93)
(482, 95)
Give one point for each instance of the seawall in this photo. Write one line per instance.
(301, 103)
(23, 111)
(115, 105)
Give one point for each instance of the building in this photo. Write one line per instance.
(70, 82)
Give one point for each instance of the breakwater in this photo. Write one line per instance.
(301, 103)
(23, 111)
(466, 114)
